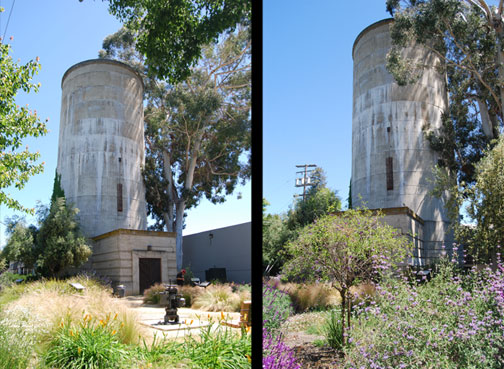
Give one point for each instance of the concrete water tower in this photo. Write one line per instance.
(392, 161)
(100, 157)
(101, 145)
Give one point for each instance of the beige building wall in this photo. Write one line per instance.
(116, 255)
(412, 226)
(228, 247)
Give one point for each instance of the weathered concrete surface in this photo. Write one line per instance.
(389, 122)
(101, 145)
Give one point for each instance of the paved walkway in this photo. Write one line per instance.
(190, 320)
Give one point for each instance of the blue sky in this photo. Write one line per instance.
(307, 91)
(63, 33)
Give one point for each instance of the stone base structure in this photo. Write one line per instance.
(136, 259)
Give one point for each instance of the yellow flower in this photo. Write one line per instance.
(122, 325)
(71, 333)
(248, 329)
(115, 316)
(191, 322)
(79, 350)
(249, 358)
(101, 322)
(61, 325)
(222, 315)
(245, 317)
(114, 332)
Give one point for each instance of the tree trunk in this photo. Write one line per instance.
(179, 223)
(486, 124)
(349, 312)
(500, 61)
(343, 293)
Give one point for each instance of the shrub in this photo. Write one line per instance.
(90, 345)
(217, 297)
(190, 293)
(151, 295)
(277, 355)
(453, 321)
(277, 308)
(39, 311)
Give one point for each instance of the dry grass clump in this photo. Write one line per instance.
(152, 295)
(190, 293)
(219, 297)
(40, 311)
(315, 296)
(321, 296)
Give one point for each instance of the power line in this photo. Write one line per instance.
(8, 19)
(306, 179)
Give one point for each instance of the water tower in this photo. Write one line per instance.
(392, 161)
(101, 145)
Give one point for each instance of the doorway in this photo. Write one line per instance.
(149, 272)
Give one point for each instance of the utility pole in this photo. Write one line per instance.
(306, 179)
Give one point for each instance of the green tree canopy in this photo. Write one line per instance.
(467, 36)
(345, 249)
(173, 34)
(197, 131)
(279, 229)
(17, 165)
(20, 244)
(275, 235)
(319, 200)
(59, 241)
(486, 206)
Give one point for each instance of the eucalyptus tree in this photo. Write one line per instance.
(467, 36)
(173, 34)
(197, 132)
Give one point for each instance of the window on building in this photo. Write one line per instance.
(390, 174)
(119, 197)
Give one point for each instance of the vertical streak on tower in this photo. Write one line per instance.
(101, 145)
(391, 159)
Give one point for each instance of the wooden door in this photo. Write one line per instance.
(149, 272)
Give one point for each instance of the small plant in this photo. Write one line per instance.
(188, 276)
(14, 353)
(277, 355)
(90, 345)
(333, 331)
(152, 294)
(276, 308)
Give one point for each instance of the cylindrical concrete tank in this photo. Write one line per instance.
(101, 145)
(391, 159)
